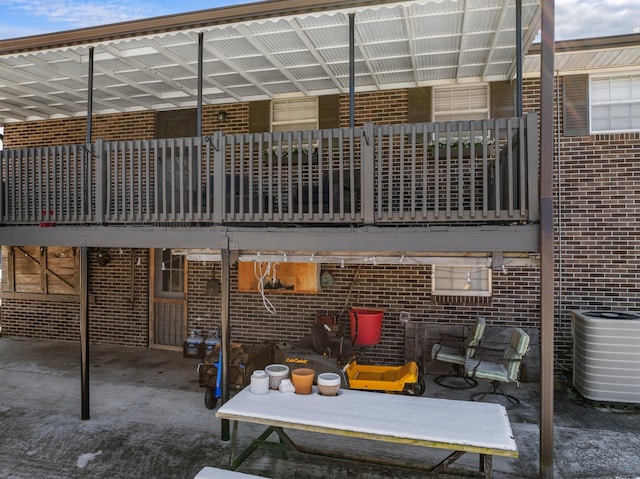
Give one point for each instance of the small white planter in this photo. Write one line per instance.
(329, 384)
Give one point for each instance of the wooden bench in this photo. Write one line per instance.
(460, 426)
(208, 472)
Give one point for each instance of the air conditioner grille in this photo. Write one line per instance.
(606, 355)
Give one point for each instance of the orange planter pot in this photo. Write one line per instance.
(302, 379)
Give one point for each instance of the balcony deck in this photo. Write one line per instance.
(367, 178)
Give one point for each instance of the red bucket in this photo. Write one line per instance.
(366, 326)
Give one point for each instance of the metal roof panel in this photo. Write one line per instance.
(399, 43)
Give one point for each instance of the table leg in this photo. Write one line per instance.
(450, 459)
(234, 436)
(486, 465)
(261, 442)
(285, 441)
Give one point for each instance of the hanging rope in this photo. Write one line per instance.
(261, 276)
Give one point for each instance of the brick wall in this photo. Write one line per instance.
(72, 131)
(596, 206)
(237, 118)
(392, 288)
(381, 108)
(42, 320)
(119, 311)
(114, 317)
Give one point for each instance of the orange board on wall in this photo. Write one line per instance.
(281, 277)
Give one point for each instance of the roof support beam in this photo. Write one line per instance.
(461, 43)
(494, 40)
(22, 114)
(365, 57)
(44, 81)
(154, 73)
(313, 51)
(258, 45)
(137, 86)
(78, 58)
(431, 240)
(410, 42)
(239, 71)
(171, 55)
(73, 107)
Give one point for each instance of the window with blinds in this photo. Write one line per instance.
(293, 114)
(461, 102)
(614, 103)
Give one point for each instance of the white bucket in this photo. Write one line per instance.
(276, 373)
(259, 382)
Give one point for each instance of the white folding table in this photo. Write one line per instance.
(460, 426)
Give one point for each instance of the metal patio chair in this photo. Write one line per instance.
(505, 372)
(457, 357)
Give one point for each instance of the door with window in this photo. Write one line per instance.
(168, 322)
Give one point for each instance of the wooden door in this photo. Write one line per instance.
(168, 311)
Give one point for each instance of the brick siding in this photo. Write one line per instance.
(392, 288)
(596, 206)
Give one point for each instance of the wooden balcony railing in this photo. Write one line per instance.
(486, 171)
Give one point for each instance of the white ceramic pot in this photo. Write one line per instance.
(329, 384)
(259, 382)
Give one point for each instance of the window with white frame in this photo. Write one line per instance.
(293, 114)
(461, 102)
(614, 103)
(448, 280)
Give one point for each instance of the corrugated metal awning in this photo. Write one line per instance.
(397, 45)
(588, 55)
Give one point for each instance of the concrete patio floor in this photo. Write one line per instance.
(148, 420)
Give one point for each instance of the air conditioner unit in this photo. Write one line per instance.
(606, 355)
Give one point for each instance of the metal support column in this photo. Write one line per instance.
(519, 58)
(200, 75)
(90, 97)
(84, 271)
(352, 74)
(84, 330)
(546, 238)
(225, 336)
